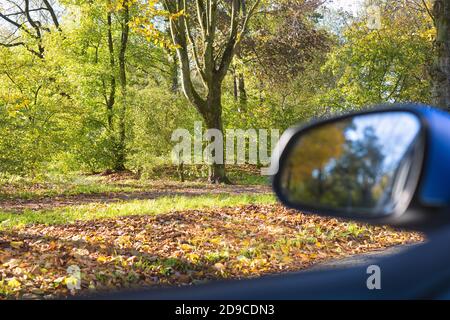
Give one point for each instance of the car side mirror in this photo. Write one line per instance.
(370, 166)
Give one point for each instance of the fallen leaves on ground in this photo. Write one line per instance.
(177, 248)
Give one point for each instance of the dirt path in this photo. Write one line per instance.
(52, 202)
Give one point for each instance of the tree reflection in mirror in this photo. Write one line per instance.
(366, 164)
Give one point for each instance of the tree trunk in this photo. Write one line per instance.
(120, 160)
(441, 67)
(213, 120)
(235, 85)
(242, 92)
(217, 175)
(174, 74)
(112, 91)
(181, 171)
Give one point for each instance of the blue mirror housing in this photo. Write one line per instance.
(435, 184)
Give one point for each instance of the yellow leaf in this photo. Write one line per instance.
(186, 247)
(102, 259)
(215, 240)
(286, 259)
(59, 280)
(14, 283)
(193, 257)
(71, 281)
(16, 244)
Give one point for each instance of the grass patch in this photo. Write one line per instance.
(128, 208)
(250, 179)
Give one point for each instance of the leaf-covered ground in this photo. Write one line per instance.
(177, 248)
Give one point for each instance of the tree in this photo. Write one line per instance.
(34, 94)
(32, 19)
(441, 66)
(104, 27)
(210, 44)
(284, 39)
(390, 64)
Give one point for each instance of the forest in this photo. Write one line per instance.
(92, 91)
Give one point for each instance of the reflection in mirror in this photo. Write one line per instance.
(358, 165)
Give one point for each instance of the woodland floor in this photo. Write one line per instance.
(161, 190)
(128, 234)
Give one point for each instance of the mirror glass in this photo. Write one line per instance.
(364, 165)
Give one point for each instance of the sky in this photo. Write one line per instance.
(395, 132)
(348, 5)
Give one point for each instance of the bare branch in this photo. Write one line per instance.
(10, 45)
(193, 44)
(247, 19)
(52, 14)
(178, 34)
(230, 46)
(428, 9)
